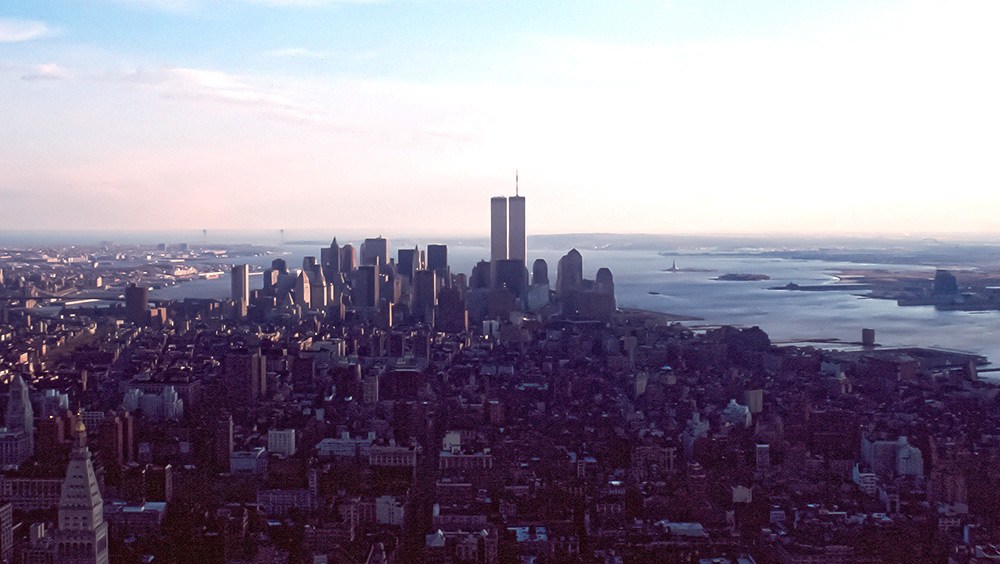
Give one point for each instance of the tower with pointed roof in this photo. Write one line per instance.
(82, 537)
(17, 438)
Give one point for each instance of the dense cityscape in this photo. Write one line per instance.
(377, 407)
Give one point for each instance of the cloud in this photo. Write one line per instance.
(213, 86)
(49, 71)
(14, 30)
(178, 6)
(188, 6)
(300, 52)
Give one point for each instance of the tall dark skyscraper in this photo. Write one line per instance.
(498, 229)
(511, 274)
(245, 376)
(437, 258)
(407, 261)
(424, 292)
(348, 259)
(223, 440)
(240, 283)
(540, 272)
(136, 304)
(329, 258)
(375, 251)
(569, 272)
(366, 286)
(437, 261)
(516, 234)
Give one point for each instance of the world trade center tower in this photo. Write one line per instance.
(508, 232)
(498, 234)
(498, 228)
(518, 241)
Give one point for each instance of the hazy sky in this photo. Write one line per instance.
(407, 115)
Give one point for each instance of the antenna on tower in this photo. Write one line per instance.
(517, 191)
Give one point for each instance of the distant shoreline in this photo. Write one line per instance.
(662, 317)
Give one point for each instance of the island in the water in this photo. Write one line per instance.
(730, 277)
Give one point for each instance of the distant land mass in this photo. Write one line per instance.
(730, 277)
(940, 252)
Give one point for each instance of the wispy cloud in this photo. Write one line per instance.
(301, 52)
(213, 86)
(14, 30)
(48, 71)
(182, 6)
(162, 5)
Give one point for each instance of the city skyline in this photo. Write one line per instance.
(679, 117)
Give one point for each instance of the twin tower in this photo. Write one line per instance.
(508, 239)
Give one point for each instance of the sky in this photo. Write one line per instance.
(405, 116)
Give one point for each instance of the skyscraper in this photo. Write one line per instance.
(498, 228)
(83, 534)
(329, 258)
(240, 284)
(348, 259)
(136, 304)
(375, 251)
(518, 241)
(407, 261)
(365, 289)
(223, 440)
(17, 440)
(569, 272)
(319, 293)
(245, 376)
(303, 290)
(437, 258)
(424, 295)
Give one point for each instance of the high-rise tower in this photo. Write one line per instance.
(498, 228)
(329, 258)
(518, 246)
(240, 288)
(18, 438)
(83, 534)
(136, 304)
(375, 251)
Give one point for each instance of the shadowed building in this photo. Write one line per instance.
(303, 290)
(424, 293)
(437, 260)
(516, 232)
(17, 440)
(137, 304)
(348, 258)
(407, 261)
(540, 272)
(82, 536)
(604, 283)
(365, 290)
(329, 259)
(452, 315)
(512, 275)
(498, 231)
(245, 376)
(569, 273)
(375, 251)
